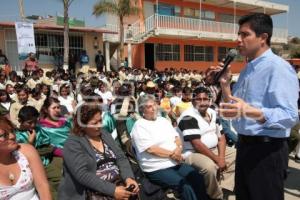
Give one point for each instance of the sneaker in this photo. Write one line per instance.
(297, 159)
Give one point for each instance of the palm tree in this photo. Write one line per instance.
(21, 10)
(121, 8)
(67, 4)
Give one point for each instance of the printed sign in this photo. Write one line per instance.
(25, 39)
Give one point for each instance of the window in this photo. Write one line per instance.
(198, 53)
(167, 9)
(167, 52)
(195, 13)
(189, 12)
(177, 11)
(49, 45)
(208, 15)
(222, 52)
(228, 18)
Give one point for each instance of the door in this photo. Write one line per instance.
(149, 56)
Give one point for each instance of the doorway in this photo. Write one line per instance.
(149, 56)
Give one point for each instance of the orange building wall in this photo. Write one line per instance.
(139, 54)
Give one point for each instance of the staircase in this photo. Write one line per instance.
(137, 33)
(141, 32)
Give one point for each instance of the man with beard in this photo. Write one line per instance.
(205, 144)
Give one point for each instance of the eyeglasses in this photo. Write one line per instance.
(4, 136)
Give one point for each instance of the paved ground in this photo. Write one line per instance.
(292, 184)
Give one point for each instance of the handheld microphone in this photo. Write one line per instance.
(229, 58)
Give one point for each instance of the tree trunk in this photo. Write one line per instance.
(66, 33)
(121, 40)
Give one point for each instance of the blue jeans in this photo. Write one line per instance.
(184, 178)
(230, 135)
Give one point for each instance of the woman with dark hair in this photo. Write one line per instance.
(57, 128)
(46, 89)
(65, 98)
(94, 165)
(23, 95)
(37, 98)
(10, 90)
(53, 123)
(21, 171)
(5, 103)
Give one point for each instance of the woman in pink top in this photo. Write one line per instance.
(22, 175)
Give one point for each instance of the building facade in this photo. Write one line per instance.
(49, 41)
(191, 34)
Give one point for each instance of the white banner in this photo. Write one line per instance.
(25, 39)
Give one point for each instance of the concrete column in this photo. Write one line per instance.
(107, 56)
(118, 60)
(129, 54)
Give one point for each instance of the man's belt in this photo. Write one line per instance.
(259, 139)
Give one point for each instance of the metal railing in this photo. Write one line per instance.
(185, 23)
(192, 26)
(111, 37)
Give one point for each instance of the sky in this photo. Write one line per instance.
(82, 9)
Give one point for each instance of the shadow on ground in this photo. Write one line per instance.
(292, 183)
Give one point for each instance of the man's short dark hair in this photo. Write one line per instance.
(260, 23)
(201, 89)
(27, 113)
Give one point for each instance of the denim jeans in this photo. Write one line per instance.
(184, 178)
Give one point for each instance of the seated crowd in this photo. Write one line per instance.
(83, 136)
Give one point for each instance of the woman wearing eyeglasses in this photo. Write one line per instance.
(22, 175)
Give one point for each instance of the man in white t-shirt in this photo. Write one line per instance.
(205, 145)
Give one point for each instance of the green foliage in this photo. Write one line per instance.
(295, 53)
(120, 8)
(295, 40)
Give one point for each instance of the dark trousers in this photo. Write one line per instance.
(54, 174)
(260, 170)
(183, 178)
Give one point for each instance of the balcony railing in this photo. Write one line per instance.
(188, 27)
(184, 23)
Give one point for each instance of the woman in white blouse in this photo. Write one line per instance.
(158, 148)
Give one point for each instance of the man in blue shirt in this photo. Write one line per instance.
(263, 105)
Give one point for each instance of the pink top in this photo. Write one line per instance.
(24, 187)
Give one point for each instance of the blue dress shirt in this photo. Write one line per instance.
(270, 84)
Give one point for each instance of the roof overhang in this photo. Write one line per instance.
(59, 28)
(294, 61)
(258, 6)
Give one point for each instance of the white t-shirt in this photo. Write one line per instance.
(106, 96)
(6, 105)
(175, 100)
(192, 125)
(146, 133)
(68, 102)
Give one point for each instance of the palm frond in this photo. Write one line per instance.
(127, 8)
(103, 7)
